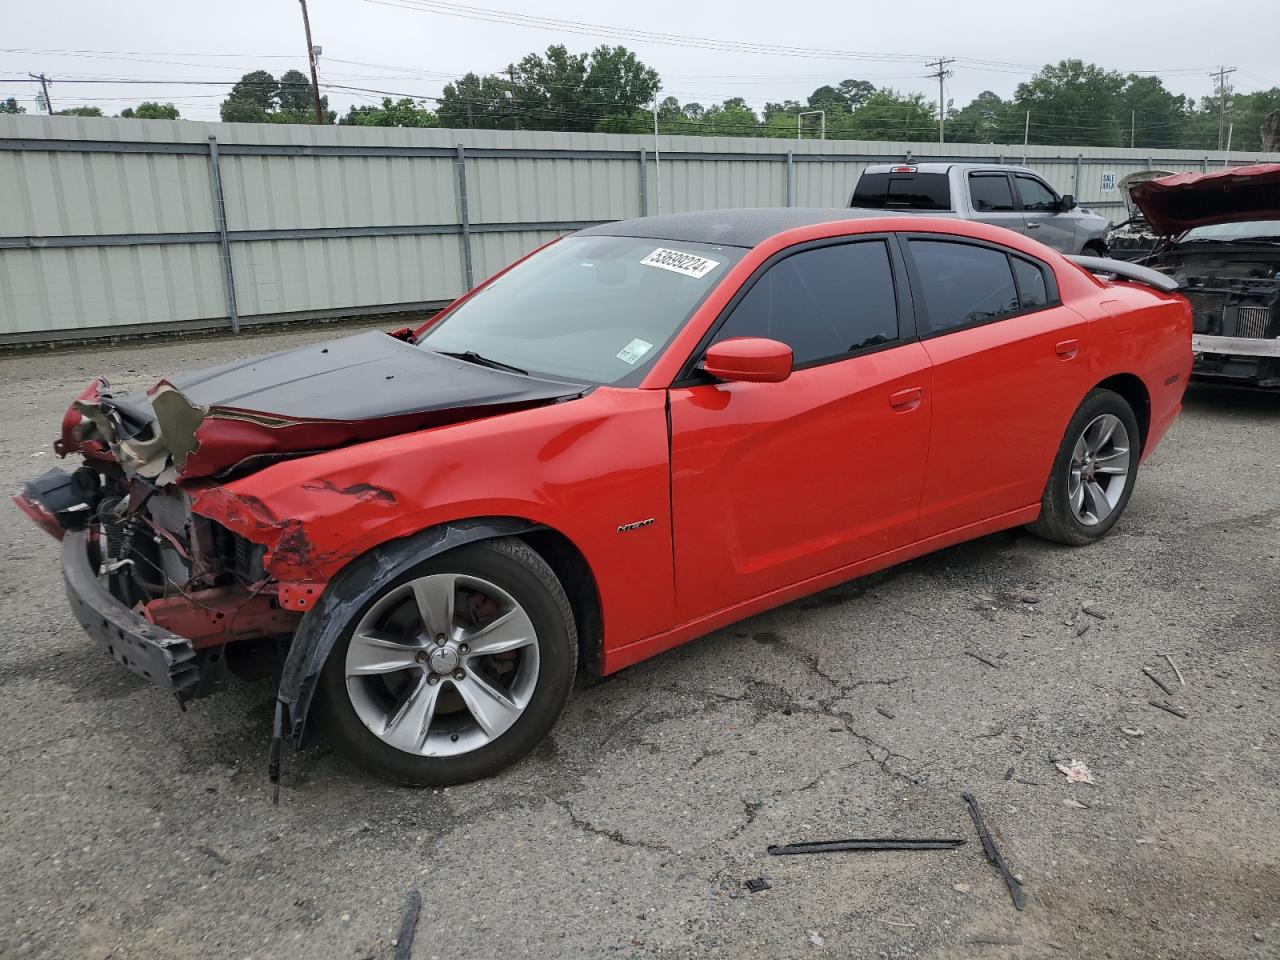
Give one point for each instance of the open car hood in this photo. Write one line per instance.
(247, 414)
(1173, 205)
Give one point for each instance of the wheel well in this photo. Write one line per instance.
(574, 574)
(1098, 246)
(1135, 394)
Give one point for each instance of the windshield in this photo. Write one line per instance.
(588, 308)
(1226, 232)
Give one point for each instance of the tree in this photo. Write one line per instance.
(79, 112)
(11, 106)
(1151, 116)
(1073, 102)
(984, 119)
(733, 118)
(888, 115)
(605, 88)
(151, 111)
(258, 97)
(392, 113)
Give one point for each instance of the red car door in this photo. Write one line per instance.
(1010, 366)
(774, 483)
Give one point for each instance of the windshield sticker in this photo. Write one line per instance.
(634, 350)
(689, 264)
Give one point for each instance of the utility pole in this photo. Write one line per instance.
(1133, 126)
(44, 85)
(311, 59)
(1026, 136)
(657, 159)
(941, 72)
(1222, 87)
(515, 117)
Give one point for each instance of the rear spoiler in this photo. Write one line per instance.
(1124, 270)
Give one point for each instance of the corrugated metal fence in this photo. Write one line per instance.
(115, 226)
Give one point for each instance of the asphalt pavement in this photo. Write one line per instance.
(131, 830)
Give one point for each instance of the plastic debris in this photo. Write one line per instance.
(757, 884)
(1076, 772)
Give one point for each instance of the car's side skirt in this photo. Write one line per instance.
(632, 653)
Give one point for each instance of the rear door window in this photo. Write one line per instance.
(1035, 195)
(907, 191)
(963, 284)
(1033, 291)
(823, 303)
(990, 192)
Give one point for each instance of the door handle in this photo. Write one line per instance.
(1067, 349)
(907, 399)
(1033, 225)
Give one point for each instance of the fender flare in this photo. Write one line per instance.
(350, 590)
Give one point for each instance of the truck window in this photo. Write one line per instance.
(1035, 195)
(905, 191)
(990, 192)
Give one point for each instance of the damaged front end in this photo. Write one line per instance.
(170, 565)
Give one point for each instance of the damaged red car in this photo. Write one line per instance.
(638, 434)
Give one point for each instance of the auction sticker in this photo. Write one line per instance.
(634, 350)
(689, 264)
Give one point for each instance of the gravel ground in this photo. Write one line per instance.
(130, 830)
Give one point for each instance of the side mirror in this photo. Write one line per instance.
(748, 359)
(1068, 202)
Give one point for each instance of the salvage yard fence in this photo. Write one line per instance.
(112, 226)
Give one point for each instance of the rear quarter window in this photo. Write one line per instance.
(963, 284)
(902, 191)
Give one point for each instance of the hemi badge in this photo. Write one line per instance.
(626, 527)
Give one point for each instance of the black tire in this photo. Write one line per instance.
(510, 564)
(1095, 249)
(1058, 520)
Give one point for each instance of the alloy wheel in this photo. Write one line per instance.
(1099, 469)
(442, 665)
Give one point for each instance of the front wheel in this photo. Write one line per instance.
(1093, 473)
(454, 671)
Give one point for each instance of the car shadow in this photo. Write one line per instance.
(1212, 398)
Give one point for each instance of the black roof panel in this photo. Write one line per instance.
(735, 228)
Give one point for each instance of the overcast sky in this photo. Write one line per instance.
(412, 50)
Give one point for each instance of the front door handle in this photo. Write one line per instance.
(1067, 349)
(907, 399)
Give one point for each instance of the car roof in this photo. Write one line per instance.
(734, 228)
(939, 166)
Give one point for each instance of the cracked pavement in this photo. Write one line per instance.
(130, 830)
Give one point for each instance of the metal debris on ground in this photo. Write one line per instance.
(404, 940)
(1083, 629)
(757, 884)
(1094, 612)
(1168, 708)
(1008, 774)
(892, 843)
(1076, 772)
(1176, 672)
(993, 854)
(1158, 682)
(886, 713)
(978, 656)
(1075, 804)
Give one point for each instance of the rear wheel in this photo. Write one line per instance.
(1093, 473)
(456, 670)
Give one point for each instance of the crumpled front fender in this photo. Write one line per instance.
(351, 591)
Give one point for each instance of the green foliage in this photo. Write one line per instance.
(151, 111)
(392, 113)
(558, 91)
(11, 106)
(258, 97)
(79, 112)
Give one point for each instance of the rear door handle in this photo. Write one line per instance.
(1067, 348)
(907, 399)
(1033, 225)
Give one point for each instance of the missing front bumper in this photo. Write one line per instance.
(153, 653)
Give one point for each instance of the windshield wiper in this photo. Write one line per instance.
(472, 357)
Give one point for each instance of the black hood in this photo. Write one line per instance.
(246, 414)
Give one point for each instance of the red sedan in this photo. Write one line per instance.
(634, 436)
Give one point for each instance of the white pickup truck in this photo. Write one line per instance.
(1004, 196)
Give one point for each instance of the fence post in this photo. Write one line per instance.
(220, 224)
(1204, 165)
(790, 178)
(460, 168)
(644, 182)
(1079, 163)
